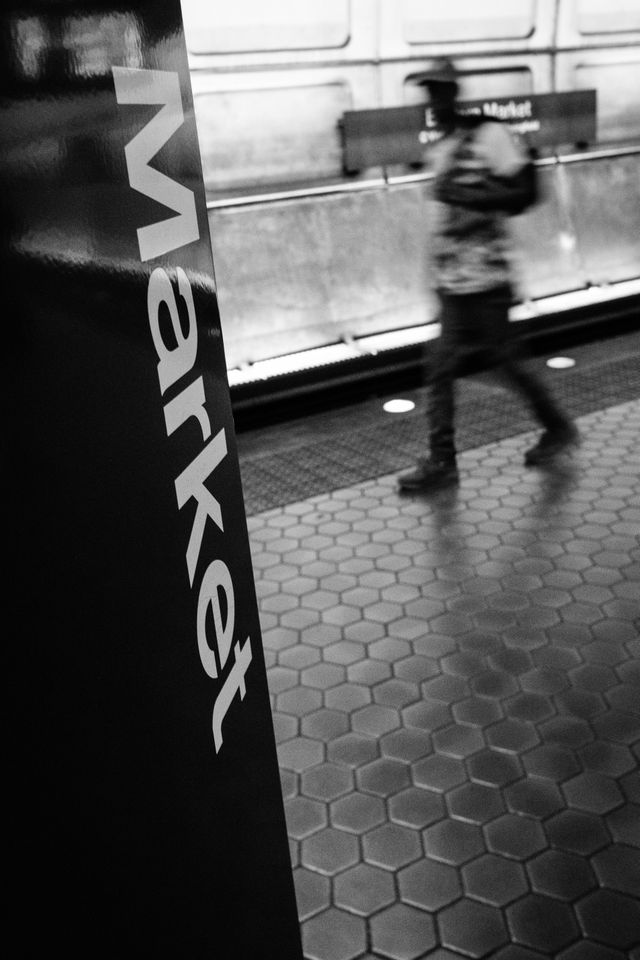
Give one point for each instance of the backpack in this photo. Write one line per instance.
(513, 194)
(525, 186)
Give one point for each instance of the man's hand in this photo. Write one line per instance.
(510, 194)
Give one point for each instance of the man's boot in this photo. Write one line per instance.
(551, 444)
(430, 474)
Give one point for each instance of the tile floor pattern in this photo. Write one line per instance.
(455, 685)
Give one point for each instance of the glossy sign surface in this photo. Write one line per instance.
(147, 813)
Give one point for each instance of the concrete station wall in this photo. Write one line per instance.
(271, 84)
(304, 273)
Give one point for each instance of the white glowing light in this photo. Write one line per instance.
(567, 241)
(561, 363)
(398, 406)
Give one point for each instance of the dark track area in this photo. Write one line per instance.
(325, 449)
(321, 389)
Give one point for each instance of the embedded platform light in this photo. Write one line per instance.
(561, 363)
(567, 241)
(398, 406)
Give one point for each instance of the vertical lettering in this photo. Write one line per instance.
(216, 577)
(189, 484)
(189, 403)
(233, 684)
(162, 88)
(172, 363)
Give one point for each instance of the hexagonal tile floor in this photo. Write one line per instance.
(455, 685)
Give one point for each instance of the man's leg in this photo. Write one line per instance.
(559, 431)
(441, 397)
(439, 469)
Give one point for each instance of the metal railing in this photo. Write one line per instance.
(384, 181)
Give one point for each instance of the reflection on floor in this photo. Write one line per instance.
(455, 685)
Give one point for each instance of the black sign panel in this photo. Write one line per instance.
(399, 134)
(146, 815)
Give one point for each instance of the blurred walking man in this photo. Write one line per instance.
(482, 177)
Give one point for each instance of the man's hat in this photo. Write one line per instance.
(441, 71)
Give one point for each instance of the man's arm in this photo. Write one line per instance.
(510, 194)
(509, 183)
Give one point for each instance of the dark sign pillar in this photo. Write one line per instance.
(146, 816)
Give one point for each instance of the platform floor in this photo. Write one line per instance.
(455, 679)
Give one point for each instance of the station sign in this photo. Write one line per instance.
(146, 808)
(400, 134)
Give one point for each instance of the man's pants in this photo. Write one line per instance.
(478, 323)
